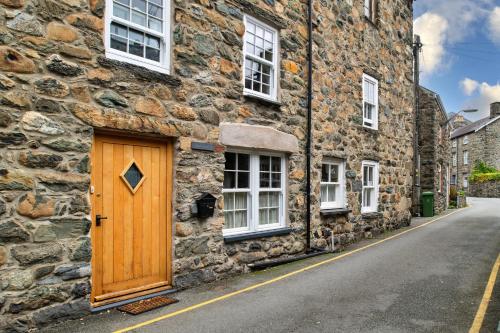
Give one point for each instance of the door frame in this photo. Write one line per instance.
(169, 143)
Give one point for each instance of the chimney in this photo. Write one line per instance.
(459, 121)
(494, 110)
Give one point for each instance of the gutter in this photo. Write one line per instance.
(309, 125)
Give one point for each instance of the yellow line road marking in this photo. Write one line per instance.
(276, 279)
(481, 312)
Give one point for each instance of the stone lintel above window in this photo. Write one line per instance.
(257, 137)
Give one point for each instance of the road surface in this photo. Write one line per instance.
(430, 279)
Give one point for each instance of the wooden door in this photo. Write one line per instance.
(131, 242)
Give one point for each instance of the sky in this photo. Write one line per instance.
(460, 58)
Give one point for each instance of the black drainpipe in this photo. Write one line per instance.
(309, 126)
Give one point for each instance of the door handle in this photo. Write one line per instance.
(98, 219)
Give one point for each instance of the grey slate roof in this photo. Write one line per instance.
(472, 127)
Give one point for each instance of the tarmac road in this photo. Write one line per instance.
(430, 279)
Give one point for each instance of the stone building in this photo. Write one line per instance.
(117, 116)
(434, 148)
(478, 141)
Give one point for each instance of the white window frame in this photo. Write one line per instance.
(369, 9)
(273, 96)
(374, 202)
(466, 139)
(466, 157)
(164, 65)
(466, 181)
(340, 186)
(453, 180)
(440, 175)
(454, 159)
(254, 191)
(374, 121)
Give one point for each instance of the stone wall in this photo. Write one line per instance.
(488, 189)
(346, 46)
(485, 145)
(57, 89)
(434, 148)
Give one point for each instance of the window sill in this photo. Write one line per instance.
(370, 129)
(262, 100)
(259, 234)
(334, 211)
(371, 215)
(139, 72)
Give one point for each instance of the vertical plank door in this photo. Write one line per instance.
(131, 224)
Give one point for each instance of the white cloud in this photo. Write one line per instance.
(446, 23)
(432, 30)
(460, 14)
(486, 94)
(469, 86)
(494, 25)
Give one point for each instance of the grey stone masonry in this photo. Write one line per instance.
(488, 189)
(434, 148)
(483, 144)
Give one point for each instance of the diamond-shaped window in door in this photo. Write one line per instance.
(133, 176)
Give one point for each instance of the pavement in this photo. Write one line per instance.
(429, 277)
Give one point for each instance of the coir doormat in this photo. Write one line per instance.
(147, 305)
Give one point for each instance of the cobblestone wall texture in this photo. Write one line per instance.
(489, 189)
(435, 148)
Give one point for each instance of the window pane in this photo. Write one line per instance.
(259, 32)
(230, 161)
(154, 11)
(136, 49)
(276, 180)
(324, 173)
(240, 200)
(240, 219)
(120, 30)
(155, 24)
(154, 42)
(152, 54)
(120, 11)
(334, 174)
(365, 176)
(139, 5)
(263, 199)
(124, 2)
(324, 193)
(228, 220)
(138, 18)
(367, 197)
(263, 216)
(136, 36)
(118, 43)
(229, 179)
(243, 162)
(243, 179)
(156, 2)
(331, 193)
(264, 180)
(274, 199)
(266, 89)
(276, 164)
(264, 163)
(273, 215)
(228, 201)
